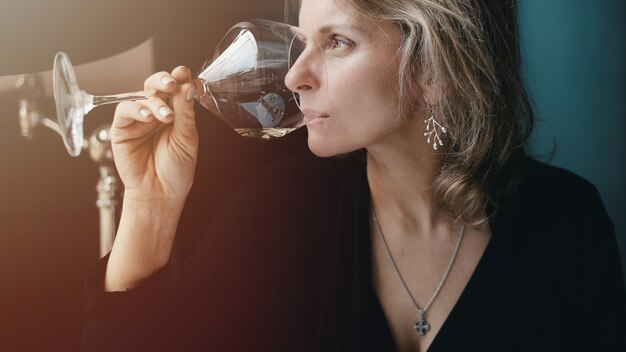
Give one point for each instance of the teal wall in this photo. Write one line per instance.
(575, 69)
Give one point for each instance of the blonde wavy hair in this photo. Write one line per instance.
(461, 59)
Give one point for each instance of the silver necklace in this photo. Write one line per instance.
(421, 325)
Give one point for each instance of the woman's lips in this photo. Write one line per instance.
(310, 120)
(312, 116)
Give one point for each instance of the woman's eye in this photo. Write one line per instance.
(338, 42)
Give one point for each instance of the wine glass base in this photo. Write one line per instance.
(71, 104)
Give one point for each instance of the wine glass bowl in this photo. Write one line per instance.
(243, 83)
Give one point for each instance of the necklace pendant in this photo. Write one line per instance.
(421, 326)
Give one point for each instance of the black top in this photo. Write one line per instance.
(287, 267)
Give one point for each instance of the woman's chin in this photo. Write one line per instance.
(325, 148)
(319, 145)
(320, 150)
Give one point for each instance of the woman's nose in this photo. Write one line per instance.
(302, 75)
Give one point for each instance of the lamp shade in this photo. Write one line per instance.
(32, 31)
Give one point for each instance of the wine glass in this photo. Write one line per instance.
(244, 83)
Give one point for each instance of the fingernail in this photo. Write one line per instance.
(144, 112)
(191, 93)
(167, 80)
(164, 111)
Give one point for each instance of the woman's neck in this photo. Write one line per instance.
(400, 180)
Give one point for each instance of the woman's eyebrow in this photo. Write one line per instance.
(344, 26)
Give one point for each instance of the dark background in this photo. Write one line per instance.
(575, 56)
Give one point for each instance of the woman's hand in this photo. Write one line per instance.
(155, 147)
(155, 143)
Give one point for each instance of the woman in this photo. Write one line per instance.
(443, 236)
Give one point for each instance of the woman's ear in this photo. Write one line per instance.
(433, 91)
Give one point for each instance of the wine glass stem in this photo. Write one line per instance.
(117, 98)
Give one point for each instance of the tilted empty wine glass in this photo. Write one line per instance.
(244, 83)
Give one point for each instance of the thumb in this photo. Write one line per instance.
(185, 116)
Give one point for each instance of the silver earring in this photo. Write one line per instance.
(433, 128)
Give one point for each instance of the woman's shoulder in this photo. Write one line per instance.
(307, 163)
(552, 205)
(308, 174)
(296, 187)
(541, 186)
(555, 222)
(557, 249)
